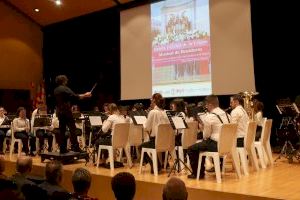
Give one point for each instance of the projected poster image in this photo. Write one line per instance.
(181, 64)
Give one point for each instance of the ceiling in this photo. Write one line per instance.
(50, 13)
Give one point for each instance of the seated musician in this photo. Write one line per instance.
(21, 129)
(258, 118)
(178, 106)
(211, 126)
(42, 133)
(3, 128)
(108, 128)
(79, 121)
(155, 117)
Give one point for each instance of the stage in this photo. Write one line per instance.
(277, 182)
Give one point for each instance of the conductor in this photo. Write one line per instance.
(64, 98)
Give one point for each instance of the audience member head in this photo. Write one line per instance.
(236, 100)
(2, 165)
(21, 112)
(123, 186)
(175, 190)
(158, 100)
(24, 164)
(81, 181)
(61, 80)
(211, 102)
(54, 172)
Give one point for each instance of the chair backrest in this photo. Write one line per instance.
(250, 136)
(165, 138)
(266, 131)
(120, 135)
(227, 138)
(189, 137)
(135, 135)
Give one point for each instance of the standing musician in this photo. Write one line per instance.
(64, 97)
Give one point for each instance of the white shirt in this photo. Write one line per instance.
(258, 118)
(212, 124)
(20, 124)
(155, 117)
(241, 118)
(111, 121)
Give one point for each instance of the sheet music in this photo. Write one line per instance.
(95, 120)
(141, 120)
(178, 122)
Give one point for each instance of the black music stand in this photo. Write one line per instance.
(288, 111)
(41, 121)
(177, 122)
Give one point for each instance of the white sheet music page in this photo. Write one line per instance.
(178, 122)
(141, 120)
(95, 120)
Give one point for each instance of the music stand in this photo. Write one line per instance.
(41, 121)
(288, 112)
(178, 123)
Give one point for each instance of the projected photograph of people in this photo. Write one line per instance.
(181, 56)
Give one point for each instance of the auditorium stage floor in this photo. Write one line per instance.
(277, 182)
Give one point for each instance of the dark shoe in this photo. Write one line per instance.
(211, 170)
(62, 151)
(193, 176)
(31, 154)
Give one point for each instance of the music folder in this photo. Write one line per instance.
(42, 121)
(95, 120)
(138, 118)
(176, 120)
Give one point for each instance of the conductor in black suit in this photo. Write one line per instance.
(64, 97)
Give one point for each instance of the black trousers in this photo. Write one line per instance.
(194, 150)
(240, 142)
(42, 135)
(103, 141)
(66, 120)
(25, 137)
(2, 136)
(150, 144)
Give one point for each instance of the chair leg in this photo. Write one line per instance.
(236, 163)
(166, 159)
(111, 158)
(199, 166)
(20, 145)
(253, 157)
(181, 156)
(244, 161)
(269, 153)
(120, 154)
(11, 149)
(128, 155)
(142, 160)
(154, 158)
(217, 168)
(260, 155)
(98, 156)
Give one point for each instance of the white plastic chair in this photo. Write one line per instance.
(248, 148)
(188, 138)
(226, 145)
(263, 146)
(12, 143)
(164, 142)
(119, 141)
(135, 137)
